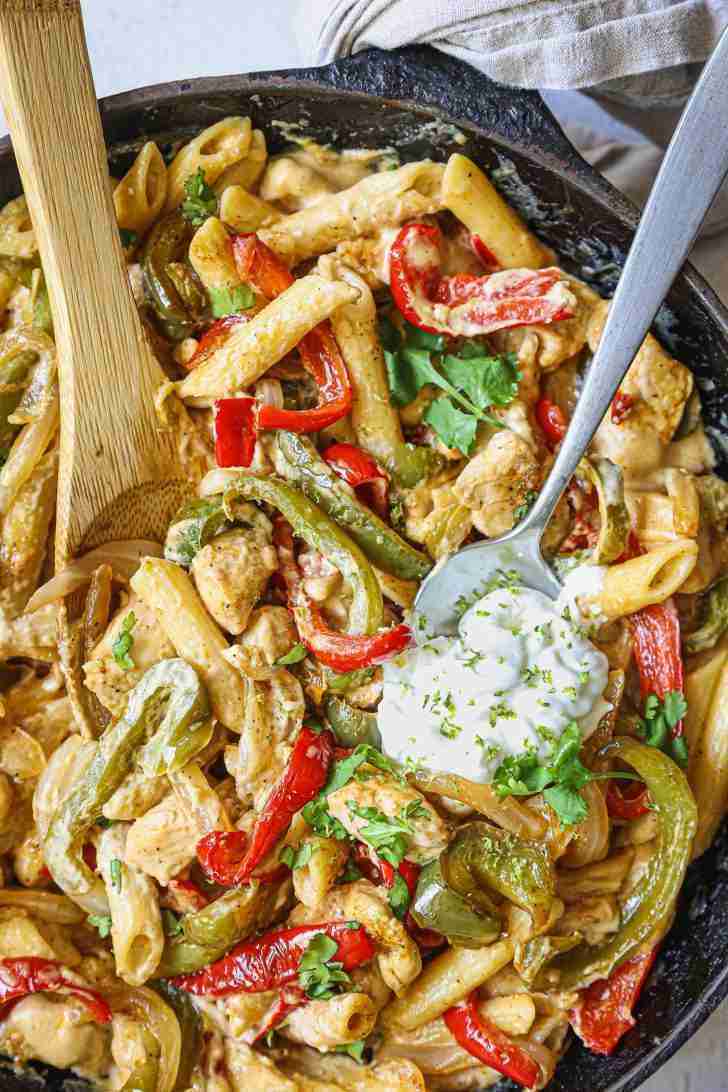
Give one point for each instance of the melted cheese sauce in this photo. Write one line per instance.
(517, 674)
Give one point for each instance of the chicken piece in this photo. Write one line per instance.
(269, 635)
(163, 841)
(425, 832)
(231, 573)
(497, 481)
(398, 957)
(107, 679)
(556, 341)
(659, 386)
(274, 711)
(249, 1070)
(59, 1031)
(434, 516)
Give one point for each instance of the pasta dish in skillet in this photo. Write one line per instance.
(256, 833)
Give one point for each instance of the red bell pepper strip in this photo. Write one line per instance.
(489, 1045)
(628, 802)
(271, 962)
(464, 304)
(604, 1013)
(235, 430)
(215, 336)
(621, 405)
(656, 642)
(258, 266)
(339, 651)
(185, 896)
(221, 854)
(486, 255)
(301, 780)
(551, 421)
(289, 999)
(20, 977)
(360, 471)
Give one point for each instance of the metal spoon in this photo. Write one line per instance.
(694, 166)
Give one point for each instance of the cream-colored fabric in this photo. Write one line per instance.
(524, 43)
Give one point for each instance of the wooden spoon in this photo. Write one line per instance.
(120, 476)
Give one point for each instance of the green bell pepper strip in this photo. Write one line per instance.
(714, 619)
(143, 1078)
(167, 244)
(344, 682)
(322, 534)
(382, 545)
(608, 481)
(654, 900)
(193, 526)
(170, 701)
(13, 373)
(351, 726)
(482, 856)
(438, 906)
(190, 1027)
(211, 932)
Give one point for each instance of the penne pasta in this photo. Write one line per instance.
(390, 197)
(248, 170)
(140, 196)
(136, 923)
(169, 592)
(243, 211)
(253, 347)
(212, 151)
(473, 198)
(709, 766)
(651, 578)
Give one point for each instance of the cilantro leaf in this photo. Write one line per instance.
(567, 803)
(200, 199)
(455, 428)
(230, 301)
(354, 1050)
(293, 656)
(388, 836)
(102, 922)
(318, 976)
(520, 513)
(487, 380)
(322, 822)
(122, 645)
(317, 814)
(296, 857)
(660, 718)
(398, 897)
(408, 371)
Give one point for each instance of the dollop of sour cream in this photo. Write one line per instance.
(520, 670)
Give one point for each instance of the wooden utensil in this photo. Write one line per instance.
(120, 476)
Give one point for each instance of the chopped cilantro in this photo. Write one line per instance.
(398, 897)
(388, 836)
(102, 922)
(473, 380)
(296, 857)
(294, 656)
(115, 873)
(520, 513)
(122, 645)
(354, 1050)
(230, 301)
(318, 975)
(660, 718)
(103, 822)
(200, 199)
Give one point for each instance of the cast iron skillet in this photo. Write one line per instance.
(426, 104)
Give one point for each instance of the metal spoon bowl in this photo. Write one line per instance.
(695, 164)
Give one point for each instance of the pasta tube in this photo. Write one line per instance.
(253, 347)
(169, 592)
(212, 151)
(473, 198)
(447, 979)
(139, 197)
(650, 578)
(390, 197)
(709, 765)
(136, 921)
(243, 211)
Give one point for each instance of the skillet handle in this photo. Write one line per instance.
(421, 74)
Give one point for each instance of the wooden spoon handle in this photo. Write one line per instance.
(110, 442)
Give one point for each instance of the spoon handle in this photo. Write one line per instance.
(694, 166)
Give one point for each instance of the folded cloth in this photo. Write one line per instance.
(525, 43)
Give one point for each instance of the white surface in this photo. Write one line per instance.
(136, 42)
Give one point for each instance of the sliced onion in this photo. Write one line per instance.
(27, 451)
(124, 558)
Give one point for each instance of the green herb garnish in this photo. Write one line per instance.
(122, 645)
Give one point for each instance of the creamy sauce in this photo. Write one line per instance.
(519, 671)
